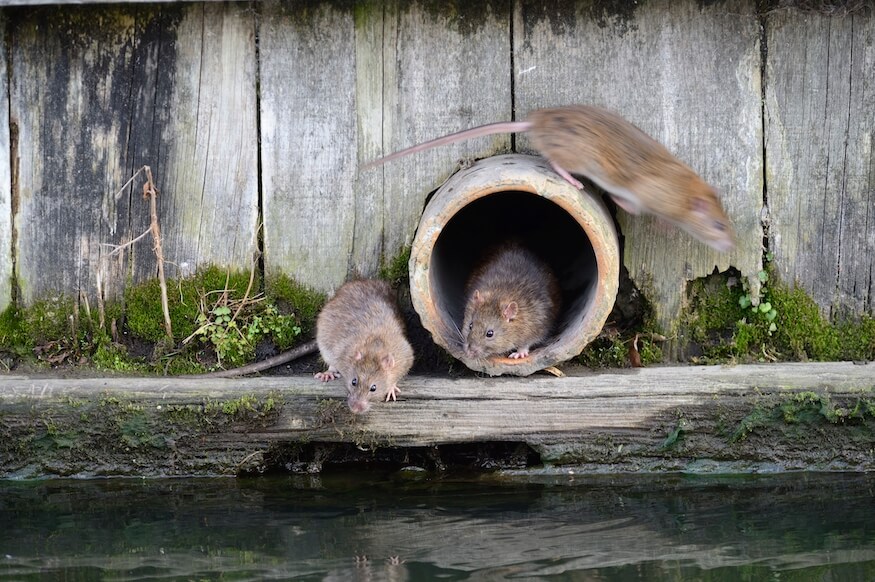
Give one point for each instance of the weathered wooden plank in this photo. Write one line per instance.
(69, 99)
(623, 419)
(418, 71)
(207, 142)
(308, 139)
(687, 73)
(820, 163)
(446, 68)
(96, 93)
(5, 181)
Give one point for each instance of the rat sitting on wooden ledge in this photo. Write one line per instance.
(639, 173)
(361, 337)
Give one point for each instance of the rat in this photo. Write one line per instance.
(637, 171)
(512, 300)
(361, 337)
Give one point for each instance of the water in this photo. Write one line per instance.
(788, 528)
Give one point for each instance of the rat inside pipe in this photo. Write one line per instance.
(506, 202)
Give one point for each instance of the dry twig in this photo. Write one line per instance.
(151, 194)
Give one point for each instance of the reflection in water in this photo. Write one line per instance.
(792, 527)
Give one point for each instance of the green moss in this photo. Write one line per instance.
(145, 316)
(803, 410)
(291, 296)
(787, 324)
(49, 320)
(12, 335)
(613, 352)
(114, 357)
(395, 271)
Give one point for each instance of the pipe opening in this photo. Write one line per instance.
(515, 198)
(540, 225)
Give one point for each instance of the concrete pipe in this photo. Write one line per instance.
(521, 198)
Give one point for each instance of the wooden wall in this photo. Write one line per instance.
(263, 111)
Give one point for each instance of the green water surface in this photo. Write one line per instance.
(391, 527)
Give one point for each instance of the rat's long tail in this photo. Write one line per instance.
(488, 129)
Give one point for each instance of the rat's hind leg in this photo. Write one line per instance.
(568, 177)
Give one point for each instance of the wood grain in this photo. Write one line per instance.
(688, 74)
(308, 140)
(417, 71)
(445, 69)
(623, 419)
(820, 163)
(170, 87)
(5, 180)
(208, 143)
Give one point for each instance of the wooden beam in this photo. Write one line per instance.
(665, 418)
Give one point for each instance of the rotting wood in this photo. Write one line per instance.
(663, 418)
(92, 103)
(820, 111)
(688, 74)
(5, 180)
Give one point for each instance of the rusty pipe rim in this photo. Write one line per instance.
(515, 196)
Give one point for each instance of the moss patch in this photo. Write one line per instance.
(396, 270)
(803, 411)
(722, 324)
(67, 438)
(186, 298)
(215, 323)
(295, 298)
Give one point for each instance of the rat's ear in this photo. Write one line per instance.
(359, 356)
(477, 297)
(510, 311)
(387, 361)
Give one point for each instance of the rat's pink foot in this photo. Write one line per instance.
(568, 177)
(392, 393)
(327, 375)
(519, 354)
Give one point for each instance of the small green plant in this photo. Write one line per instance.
(234, 338)
(292, 297)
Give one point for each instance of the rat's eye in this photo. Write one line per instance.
(719, 226)
(355, 382)
(489, 333)
(373, 387)
(471, 325)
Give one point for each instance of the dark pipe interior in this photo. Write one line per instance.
(541, 225)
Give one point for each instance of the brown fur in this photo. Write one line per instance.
(516, 296)
(361, 336)
(639, 173)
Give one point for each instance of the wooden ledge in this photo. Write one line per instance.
(795, 416)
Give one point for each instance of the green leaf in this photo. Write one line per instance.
(744, 301)
(763, 276)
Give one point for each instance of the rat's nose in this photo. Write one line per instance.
(357, 405)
